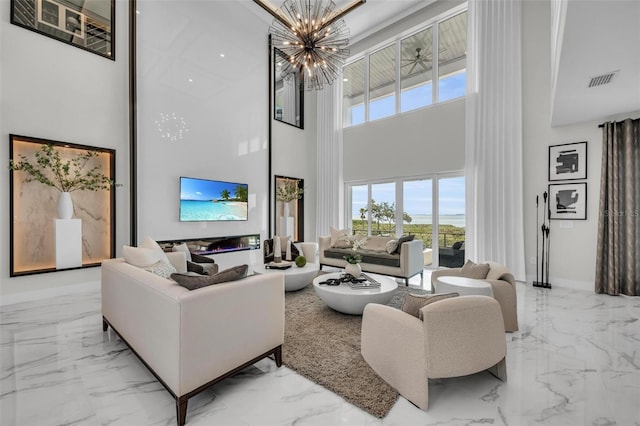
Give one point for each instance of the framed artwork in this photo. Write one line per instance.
(41, 240)
(289, 207)
(88, 25)
(568, 161)
(568, 201)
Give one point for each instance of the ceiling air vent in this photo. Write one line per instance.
(602, 79)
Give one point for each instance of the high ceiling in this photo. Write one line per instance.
(599, 37)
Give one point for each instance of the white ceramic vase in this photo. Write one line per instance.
(65, 206)
(354, 269)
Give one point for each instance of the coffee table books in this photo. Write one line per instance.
(364, 281)
(280, 265)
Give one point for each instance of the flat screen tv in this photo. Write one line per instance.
(212, 200)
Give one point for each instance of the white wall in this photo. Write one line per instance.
(573, 243)
(225, 108)
(294, 155)
(56, 91)
(424, 141)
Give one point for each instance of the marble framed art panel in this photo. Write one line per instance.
(90, 233)
(289, 207)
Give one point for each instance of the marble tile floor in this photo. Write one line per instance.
(575, 361)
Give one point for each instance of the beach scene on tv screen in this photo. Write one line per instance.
(209, 200)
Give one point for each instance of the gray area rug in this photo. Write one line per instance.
(324, 346)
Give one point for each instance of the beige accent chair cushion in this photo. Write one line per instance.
(459, 336)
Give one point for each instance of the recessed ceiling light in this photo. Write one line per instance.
(137, 12)
(190, 80)
(222, 55)
(345, 79)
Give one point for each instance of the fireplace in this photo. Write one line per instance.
(215, 245)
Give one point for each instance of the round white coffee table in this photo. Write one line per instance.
(295, 278)
(463, 286)
(343, 298)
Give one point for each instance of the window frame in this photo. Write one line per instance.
(399, 203)
(434, 23)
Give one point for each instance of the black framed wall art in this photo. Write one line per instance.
(568, 161)
(51, 231)
(89, 25)
(568, 201)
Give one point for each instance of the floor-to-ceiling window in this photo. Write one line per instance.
(430, 207)
(407, 72)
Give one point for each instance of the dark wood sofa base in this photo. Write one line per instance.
(181, 401)
(406, 279)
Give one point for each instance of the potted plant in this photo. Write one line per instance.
(288, 192)
(65, 176)
(353, 259)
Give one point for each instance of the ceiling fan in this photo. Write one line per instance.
(424, 60)
(419, 59)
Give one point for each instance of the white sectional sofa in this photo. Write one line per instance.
(190, 340)
(406, 264)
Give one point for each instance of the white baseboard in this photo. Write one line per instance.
(28, 296)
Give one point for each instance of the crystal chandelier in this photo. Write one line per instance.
(313, 37)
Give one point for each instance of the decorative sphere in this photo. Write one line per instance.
(301, 261)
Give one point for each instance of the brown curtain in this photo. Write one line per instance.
(618, 258)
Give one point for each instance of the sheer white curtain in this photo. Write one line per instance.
(329, 150)
(493, 129)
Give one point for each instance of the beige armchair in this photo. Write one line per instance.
(459, 336)
(504, 290)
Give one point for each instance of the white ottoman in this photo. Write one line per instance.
(463, 286)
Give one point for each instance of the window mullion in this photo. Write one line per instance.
(397, 71)
(435, 64)
(366, 88)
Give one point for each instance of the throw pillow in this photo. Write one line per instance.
(161, 268)
(194, 282)
(473, 270)
(403, 239)
(183, 248)
(457, 245)
(339, 238)
(151, 244)
(391, 246)
(140, 256)
(414, 302)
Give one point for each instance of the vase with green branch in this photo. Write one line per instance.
(287, 192)
(75, 174)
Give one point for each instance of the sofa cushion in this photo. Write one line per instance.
(376, 243)
(183, 248)
(162, 268)
(194, 282)
(368, 256)
(140, 256)
(338, 238)
(414, 302)
(404, 239)
(473, 270)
